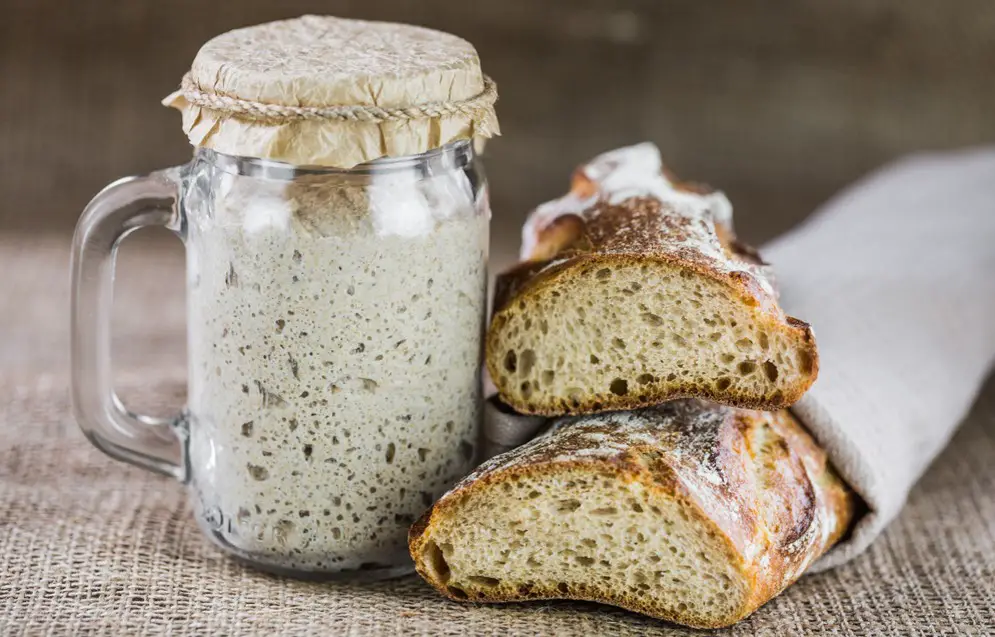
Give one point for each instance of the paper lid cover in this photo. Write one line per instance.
(319, 90)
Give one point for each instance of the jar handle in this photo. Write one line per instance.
(122, 207)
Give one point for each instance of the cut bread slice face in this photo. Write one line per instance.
(641, 295)
(689, 512)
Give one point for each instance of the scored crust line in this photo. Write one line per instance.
(249, 109)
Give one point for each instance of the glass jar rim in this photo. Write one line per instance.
(454, 155)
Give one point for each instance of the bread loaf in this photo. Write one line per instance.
(635, 291)
(689, 511)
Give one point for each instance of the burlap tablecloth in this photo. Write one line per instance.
(90, 545)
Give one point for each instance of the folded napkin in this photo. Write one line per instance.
(897, 277)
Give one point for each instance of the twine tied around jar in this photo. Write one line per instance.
(248, 109)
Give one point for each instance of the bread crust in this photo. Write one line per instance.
(596, 229)
(756, 480)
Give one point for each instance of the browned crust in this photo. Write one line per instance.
(522, 285)
(796, 507)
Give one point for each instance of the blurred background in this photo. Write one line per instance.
(780, 104)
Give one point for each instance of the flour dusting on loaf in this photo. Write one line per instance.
(634, 171)
(638, 172)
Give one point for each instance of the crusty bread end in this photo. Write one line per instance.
(690, 512)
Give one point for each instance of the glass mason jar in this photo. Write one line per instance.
(335, 337)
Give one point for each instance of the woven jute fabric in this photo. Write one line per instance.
(92, 546)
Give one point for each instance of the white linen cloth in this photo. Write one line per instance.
(897, 277)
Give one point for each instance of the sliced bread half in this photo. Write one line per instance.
(689, 511)
(635, 291)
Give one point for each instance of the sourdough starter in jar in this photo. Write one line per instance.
(335, 338)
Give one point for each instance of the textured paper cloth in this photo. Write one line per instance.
(322, 62)
(93, 546)
(897, 277)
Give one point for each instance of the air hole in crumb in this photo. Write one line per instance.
(533, 495)
(619, 387)
(619, 343)
(436, 562)
(544, 326)
(744, 344)
(566, 506)
(805, 362)
(458, 593)
(511, 361)
(638, 508)
(728, 358)
(604, 511)
(722, 383)
(764, 341)
(589, 543)
(747, 367)
(595, 360)
(563, 588)
(483, 580)
(715, 336)
(671, 377)
(547, 377)
(527, 362)
(644, 379)
(603, 273)
(526, 389)
(770, 370)
(651, 319)
(584, 561)
(390, 453)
